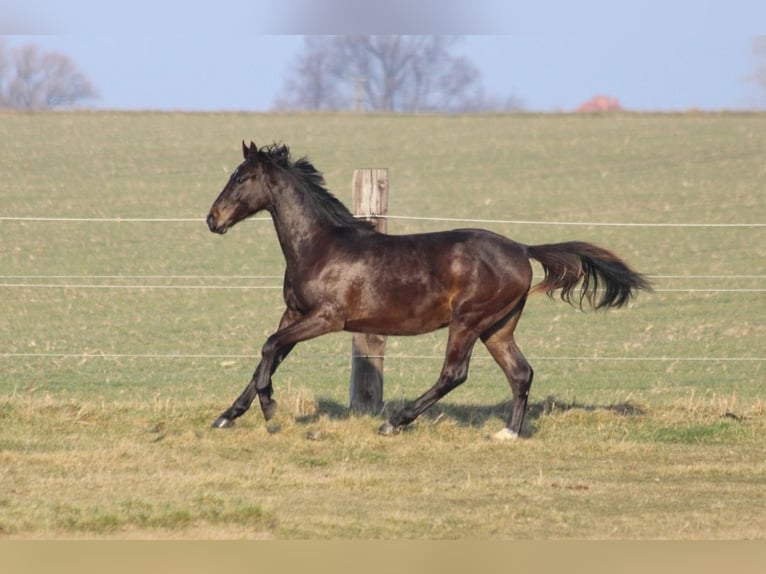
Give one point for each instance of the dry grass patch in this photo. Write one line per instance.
(126, 471)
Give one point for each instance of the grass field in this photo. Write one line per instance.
(120, 342)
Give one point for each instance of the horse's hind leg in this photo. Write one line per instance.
(518, 371)
(454, 372)
(519, 374)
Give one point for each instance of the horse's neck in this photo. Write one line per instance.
(301, 230)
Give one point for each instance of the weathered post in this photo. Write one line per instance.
(370, 199)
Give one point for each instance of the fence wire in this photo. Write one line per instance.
(153, 356)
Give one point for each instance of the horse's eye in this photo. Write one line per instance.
(241, 180)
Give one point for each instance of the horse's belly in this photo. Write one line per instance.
(399, 328)
(403, 319)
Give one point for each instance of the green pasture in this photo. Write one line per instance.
(121, 341)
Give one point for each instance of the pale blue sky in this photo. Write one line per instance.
(552, 55)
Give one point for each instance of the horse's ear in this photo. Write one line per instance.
(248, 151)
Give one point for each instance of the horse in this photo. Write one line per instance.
(343, 275)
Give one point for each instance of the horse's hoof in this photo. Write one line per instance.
(269, 410)
(387, 429)
(222, 423)
(505, 434)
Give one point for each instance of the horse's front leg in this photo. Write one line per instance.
(240, 406)
(265, 390)
(274, 351)
(244, 400)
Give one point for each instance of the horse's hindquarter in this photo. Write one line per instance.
(412, 284)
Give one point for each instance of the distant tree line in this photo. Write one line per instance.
(31, 78)
(387, 74)
(362, 73)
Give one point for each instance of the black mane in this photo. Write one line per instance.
(312, 179)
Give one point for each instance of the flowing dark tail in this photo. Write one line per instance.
(607, 281)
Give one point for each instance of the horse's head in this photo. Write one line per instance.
(245, 194)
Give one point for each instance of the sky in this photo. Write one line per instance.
(551, 55)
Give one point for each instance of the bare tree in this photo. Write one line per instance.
(313, 83)
(441, 81)
(383, 73)
(382, 65)
(34, 79)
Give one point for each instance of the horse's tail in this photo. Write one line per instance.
(607, 281)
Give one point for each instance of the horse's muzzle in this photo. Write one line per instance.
(212, 224)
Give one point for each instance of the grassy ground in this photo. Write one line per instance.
(637, 427)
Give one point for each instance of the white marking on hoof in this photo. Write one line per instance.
(505, 434)
(387, 429)
(223, 423)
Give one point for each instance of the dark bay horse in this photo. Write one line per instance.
(343, 275)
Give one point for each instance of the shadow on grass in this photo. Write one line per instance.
(476, 416)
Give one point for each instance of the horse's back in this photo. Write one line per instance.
(475, 254)
(453, 257)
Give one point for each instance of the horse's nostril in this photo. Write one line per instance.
(211, 222)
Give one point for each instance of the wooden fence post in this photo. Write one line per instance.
(370, 199)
